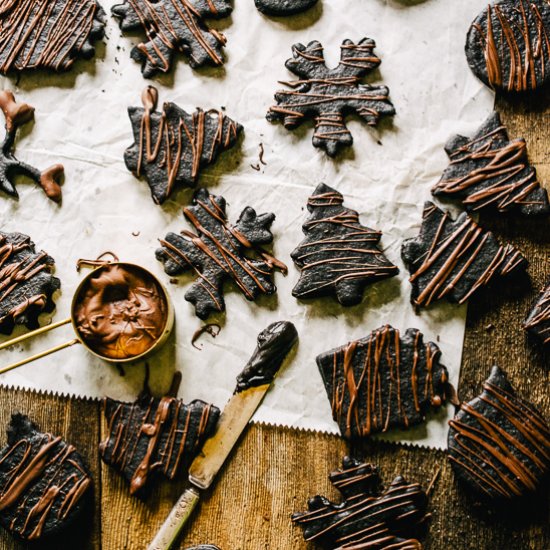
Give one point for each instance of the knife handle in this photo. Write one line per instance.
(175, 521)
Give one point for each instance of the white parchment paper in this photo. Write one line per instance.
(81, 121)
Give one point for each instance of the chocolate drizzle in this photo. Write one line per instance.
(499, 444)
(48, 33)
(508, 45)
(16, 115)
(26, 282)
(538, 321)
(219, 251)
(339, 255)
(383, 381)
(44, 484)
(274, 344)
(328, 95)
(366, 518)
(154, 436)
(174, 26)
(453, 259)
(171, 147)
(490, 171)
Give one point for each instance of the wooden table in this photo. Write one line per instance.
(274, 470)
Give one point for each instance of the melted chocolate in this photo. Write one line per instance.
(44, 485)
(26, 282)
(453, 259)
(366, 518)
(48, 33)
(538, 321)
(328, 95)
(339, 255)
(16, 115)
(274, 344)
(154, 436)
(121, 311)
(499, 444)
(489, 171)
(171, 147)
(384, 381)
(173, 26)
(219, 251)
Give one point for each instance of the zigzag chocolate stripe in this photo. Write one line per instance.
(47, 33)
(452, 259)
(154, 435)
(538, 321)
(382, 381)
(498, 443)
(490, 171)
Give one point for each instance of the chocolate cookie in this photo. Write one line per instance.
(219, 251)
(26, 282)
(329, 95)
(508, 45)
(489, 171)
(171, 27)
(499, 444)
(383, 381)
(203, 547)
(339, 255)
(16, 115)
(452, 259)
(367, 517)
(48, 34)
(153, 436)
(283, 7)
(171, 147)
(44, 484)
(538, 321)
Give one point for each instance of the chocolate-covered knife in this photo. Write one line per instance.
(253, 383)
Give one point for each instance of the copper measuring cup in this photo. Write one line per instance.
(134, 340)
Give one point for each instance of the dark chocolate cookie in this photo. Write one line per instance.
(488, 171)
(508, 45)
(203, 547)
(154, 436)
(171, 27)
(383, 381)
(171, 147)
(367, 517)
(283, 7)
(48, 34)
(219, 251)
(538, 321)
(339, 255)
(26, 282)
(499, 444)
(44, 484)
(329, 95)
(15, 115)
(452, 259)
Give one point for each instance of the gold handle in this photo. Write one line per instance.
(36, 332)
(39, 355)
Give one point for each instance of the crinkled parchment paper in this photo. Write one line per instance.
(81, 120)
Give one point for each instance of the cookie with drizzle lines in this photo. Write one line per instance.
(48, 34)
(367, 517)
(454, 259)
(490, 172)
(338, 255)
(44, 483)
(172, 27)
(508, 45)
(329, 95)
(538, 320)
(498, 443)
(172, 146)
(26, 282)
(383, 381)
(220, 251)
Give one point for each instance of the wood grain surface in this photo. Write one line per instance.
(274, 470)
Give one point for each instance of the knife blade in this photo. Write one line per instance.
(274, 344)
